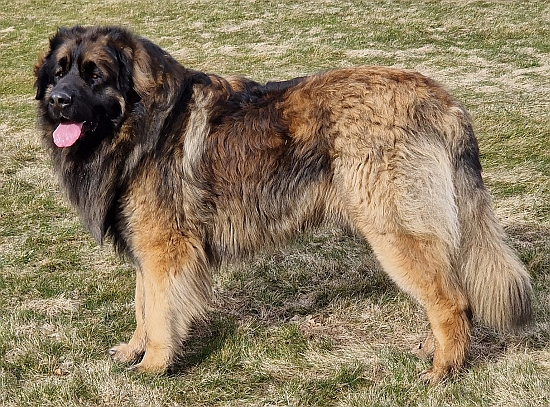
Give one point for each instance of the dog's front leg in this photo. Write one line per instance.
(132, 351)
(176, 290)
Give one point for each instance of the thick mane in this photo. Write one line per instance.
(94, 171)
(157, 92)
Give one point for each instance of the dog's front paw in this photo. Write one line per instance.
(125, 353)
(152, 362)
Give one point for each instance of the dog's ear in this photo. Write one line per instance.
(43, 66)
(145, 73)
(125, 82)
(149, 70)
(137, 73)
(41, 76)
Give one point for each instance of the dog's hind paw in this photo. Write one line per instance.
(434, 376)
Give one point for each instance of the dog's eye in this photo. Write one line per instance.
(91, 73)
(95, 77)
(60, 74)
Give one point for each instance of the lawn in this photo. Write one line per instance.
(316, 323)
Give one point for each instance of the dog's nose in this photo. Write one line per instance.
(60, 98)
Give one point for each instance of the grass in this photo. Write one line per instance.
(313, 324)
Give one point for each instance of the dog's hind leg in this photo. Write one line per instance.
(407, 212)
(422, 268)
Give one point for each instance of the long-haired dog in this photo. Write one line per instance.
(185, 170)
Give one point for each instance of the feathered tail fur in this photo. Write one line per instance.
(496, 283)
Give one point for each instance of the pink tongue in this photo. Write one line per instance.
(66, 134)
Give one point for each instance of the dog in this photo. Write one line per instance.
(184, 171)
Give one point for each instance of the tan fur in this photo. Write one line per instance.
(174, 280)
(204, 170)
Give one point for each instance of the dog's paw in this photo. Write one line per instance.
(124, 353)
(425, 350)
(433, 376)
(155, 364)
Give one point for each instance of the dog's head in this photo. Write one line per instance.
(87, 80)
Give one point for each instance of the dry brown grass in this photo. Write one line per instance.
(313, 324)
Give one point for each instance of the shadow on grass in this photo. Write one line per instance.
(206, 338)
(304, 278)
(320, 269)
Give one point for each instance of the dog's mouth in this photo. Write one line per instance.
(68, 132)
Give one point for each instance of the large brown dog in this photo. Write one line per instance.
(184, 170)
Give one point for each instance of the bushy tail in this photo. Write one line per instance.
(496, 282)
